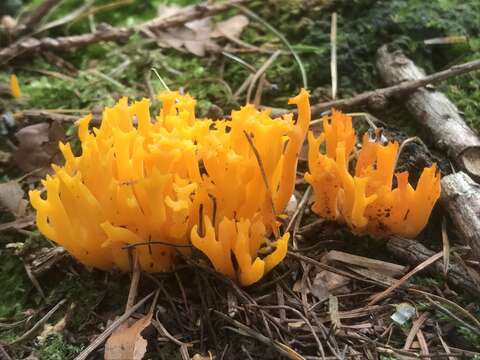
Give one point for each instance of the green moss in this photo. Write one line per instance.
(15, 285)
(56, 348)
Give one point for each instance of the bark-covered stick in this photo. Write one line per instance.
(109, 33)
(440, 118)
(461, 199)
(378, 98)
(413, 252)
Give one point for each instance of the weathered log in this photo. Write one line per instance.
(439, 117)
(461, 199)
(413, 252)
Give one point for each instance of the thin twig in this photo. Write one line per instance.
(132, 293)
(3, 354)
(30, 21)
(252, 15)
(108, 33)
(260, 72)
(301, 205)
(333, 54)
(453, 316)
(39, 323)
(109, 330)
(446, 247)
(394, 90)
(332, 269)
(453, 304)
(403, 145)
(258, 93)
(240, 61)
(162, 330)
(444, 344)
(34, 281)
(380, 296)
(245, 330)
(262, 170)
(155, 242)
(164, 84)
(302, 316)
(416, 326)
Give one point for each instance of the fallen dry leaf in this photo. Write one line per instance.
(127, 342)
(8, 23)
(164, 11)
(232, 27)
(197, 36)
(38, 147)
(327, 283)
(194, 36)
(12, 198)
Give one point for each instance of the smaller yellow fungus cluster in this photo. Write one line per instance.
(15, 86)
(177, 180)
(367, 201)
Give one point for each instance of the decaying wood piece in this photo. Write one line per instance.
(384, 267)
(414, 253)
(44, 259)
(434, 111)
(109, 33)
(461, 199)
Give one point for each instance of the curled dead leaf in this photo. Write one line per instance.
(38, 147)
(12, 198)
(127, 342)
(197, 37)
(230, 28)
(327, 283)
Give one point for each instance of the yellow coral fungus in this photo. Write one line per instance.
(15, 86)
(173, 182)
(367, 201)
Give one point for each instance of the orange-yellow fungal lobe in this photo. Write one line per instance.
(176, 181)
(15, 86)
(366, 200)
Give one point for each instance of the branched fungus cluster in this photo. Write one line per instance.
(165, 185)
(174, 181)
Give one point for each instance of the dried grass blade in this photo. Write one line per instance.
(446, 247)
(333, 54)
(416, 325)
(421, 266)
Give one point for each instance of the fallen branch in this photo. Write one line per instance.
(108, 33)
(461, 199)
(31, 44)
(414, 253)
(378, 98)
(438, 116)
(38, 115)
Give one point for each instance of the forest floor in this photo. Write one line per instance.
(315, 304)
